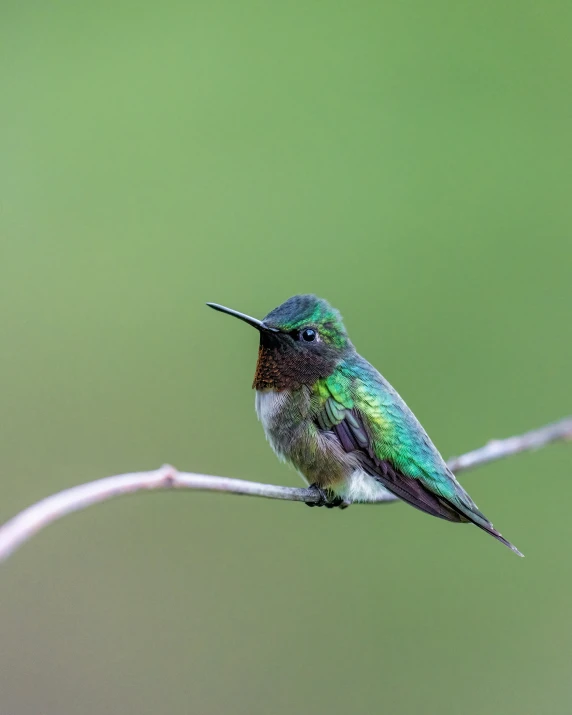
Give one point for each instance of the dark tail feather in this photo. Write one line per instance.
(413, 491)
(469, 510)
(489, 528)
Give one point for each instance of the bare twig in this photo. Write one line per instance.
(500, 448)
(28, 522)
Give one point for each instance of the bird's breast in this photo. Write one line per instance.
(288, 421)
(277, 414)
(270, 404)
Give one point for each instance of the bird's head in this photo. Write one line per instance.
(301, 341)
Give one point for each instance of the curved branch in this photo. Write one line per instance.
(28, 522)
(500, 448)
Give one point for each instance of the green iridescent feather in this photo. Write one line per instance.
(394, 432)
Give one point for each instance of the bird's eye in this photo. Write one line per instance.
(308, 335)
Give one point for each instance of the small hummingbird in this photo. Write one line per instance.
(332, 415)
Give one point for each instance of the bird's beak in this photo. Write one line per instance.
(258, 324)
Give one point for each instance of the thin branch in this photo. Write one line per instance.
(500, 448)
(28, 522)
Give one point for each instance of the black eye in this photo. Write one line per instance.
(308, 335)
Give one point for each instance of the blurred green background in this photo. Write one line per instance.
(411, 162)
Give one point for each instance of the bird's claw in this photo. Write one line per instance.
(314, 489)
(326, 499)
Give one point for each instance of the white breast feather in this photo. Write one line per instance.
(268, 404)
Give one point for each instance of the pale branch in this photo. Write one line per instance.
(22, 527)
(500, 448)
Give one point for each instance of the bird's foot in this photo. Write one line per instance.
(326, 498)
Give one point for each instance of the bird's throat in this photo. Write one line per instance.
(286, 369)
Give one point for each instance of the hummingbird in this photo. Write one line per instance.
(326, 410)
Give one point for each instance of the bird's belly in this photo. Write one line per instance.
(290, 429)
(360, 487)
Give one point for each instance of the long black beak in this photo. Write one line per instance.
(258, 324)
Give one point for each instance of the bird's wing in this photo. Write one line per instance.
(356, 431)
(373, 424)
(350, 428)
(372, 421)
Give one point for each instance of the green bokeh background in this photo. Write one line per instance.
(412, 163)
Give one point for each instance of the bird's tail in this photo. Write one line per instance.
(469, 510)
(489, 528)
(456, 506)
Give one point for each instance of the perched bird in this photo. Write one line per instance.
(331, 414)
